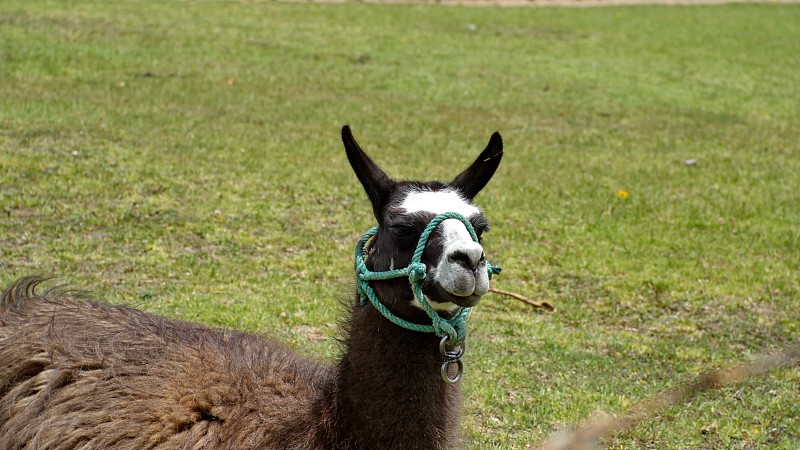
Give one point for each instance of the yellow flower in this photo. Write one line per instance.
(622, 194)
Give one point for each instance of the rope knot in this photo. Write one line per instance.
(493, 270)
(416, 271)
(442, 327)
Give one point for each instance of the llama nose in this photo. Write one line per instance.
(470, 258)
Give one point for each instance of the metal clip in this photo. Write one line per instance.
(451, 357)
(446, 371)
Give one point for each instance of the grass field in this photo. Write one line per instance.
(183, 157)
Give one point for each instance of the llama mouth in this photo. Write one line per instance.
(440, 295)
(462, 288)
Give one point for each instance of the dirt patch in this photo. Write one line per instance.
(544, 3)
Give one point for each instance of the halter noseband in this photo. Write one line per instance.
(454, 328)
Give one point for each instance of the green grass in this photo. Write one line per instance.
(183, 157)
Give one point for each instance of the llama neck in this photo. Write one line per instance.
(389, 392)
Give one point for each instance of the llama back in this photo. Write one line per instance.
(80, 374)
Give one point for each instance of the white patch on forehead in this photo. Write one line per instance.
(452, 276)
(438, 202)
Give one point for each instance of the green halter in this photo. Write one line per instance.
(456, 327)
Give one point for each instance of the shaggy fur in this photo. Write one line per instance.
(79, 374)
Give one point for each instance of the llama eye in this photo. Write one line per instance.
(401, 230)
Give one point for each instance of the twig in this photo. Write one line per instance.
(540, 304)
(586, 436)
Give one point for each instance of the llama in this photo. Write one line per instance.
(80, 374)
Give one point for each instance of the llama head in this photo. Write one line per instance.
(456, 274)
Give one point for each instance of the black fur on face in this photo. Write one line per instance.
(454, 263)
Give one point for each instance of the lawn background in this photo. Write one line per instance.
(183, 157)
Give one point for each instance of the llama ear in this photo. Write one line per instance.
(475, 177)
(376, 183)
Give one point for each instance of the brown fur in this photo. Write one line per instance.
(79, 374)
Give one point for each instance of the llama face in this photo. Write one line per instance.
(456, 265)
(456, 273)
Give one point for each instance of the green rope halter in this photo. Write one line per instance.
(456, 327)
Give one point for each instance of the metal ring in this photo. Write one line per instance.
(446, 372)
(450, 354)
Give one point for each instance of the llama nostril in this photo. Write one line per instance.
(470, 260)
